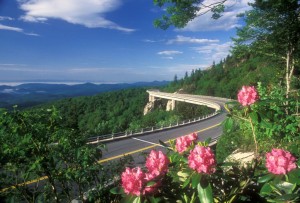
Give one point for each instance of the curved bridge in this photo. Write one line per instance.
(212, 102)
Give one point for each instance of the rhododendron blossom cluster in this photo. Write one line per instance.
(202, 159)
(134, 180)
(247, 95)
(157, 163)
(279, 161)
(184, 142)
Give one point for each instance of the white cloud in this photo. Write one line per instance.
(152, 41)
(16, 29)
(168, 57)
(182, 39)
(226, 22)
(32, 34)
(5, 18)
(89, 13)
(214, 52)
(5, 27)
(169, 52)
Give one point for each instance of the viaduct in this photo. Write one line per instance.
(211, 102)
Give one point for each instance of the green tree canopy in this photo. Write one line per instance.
(179, 13)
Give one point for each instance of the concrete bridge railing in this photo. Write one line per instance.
(193, 99)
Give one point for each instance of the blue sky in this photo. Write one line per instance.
(106, 41)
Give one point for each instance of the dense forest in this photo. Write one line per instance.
(118, 111)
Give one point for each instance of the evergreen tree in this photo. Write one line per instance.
(272, 29)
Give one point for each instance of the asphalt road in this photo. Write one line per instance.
(135, 145)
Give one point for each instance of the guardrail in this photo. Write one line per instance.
(121, 135)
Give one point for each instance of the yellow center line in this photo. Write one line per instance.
(106, 160)
(25, 183)
(149, 147)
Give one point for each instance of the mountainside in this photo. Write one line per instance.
(227, 77)
(26, 95)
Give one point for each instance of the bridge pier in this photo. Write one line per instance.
(151, 98)
(171, 105)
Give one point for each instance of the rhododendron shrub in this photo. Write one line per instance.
(280, 161)
(270, 121)
(136, 182)
(283, 184)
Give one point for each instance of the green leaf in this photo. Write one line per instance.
(128, 199)
(287, 198)
(153, 199)
(185, 160)
(137, 200)
(265, 178)
(286, 187)
(294, 176)
(266, 189)
(196, 179)
(207, 141)
(254, 117)
(186, 182)
(264, 123)
(117, 190)
(205, 193)
(151, 183)
(228, 124)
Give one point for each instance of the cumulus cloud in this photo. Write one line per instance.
(226, 22)
(169, 52)
(89, 13)
(182, 39)
(214, 52)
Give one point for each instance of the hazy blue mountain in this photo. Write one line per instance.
(30, 94)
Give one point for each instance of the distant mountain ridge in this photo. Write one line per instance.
(30, 94)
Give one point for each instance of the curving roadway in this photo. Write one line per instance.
(135, 145)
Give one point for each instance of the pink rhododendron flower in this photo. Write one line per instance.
(202, 160)
(248, 95)
(192, 137)
(152, 188)
(280, 161)
(133, 181)
(184, 142)
(157, 163)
